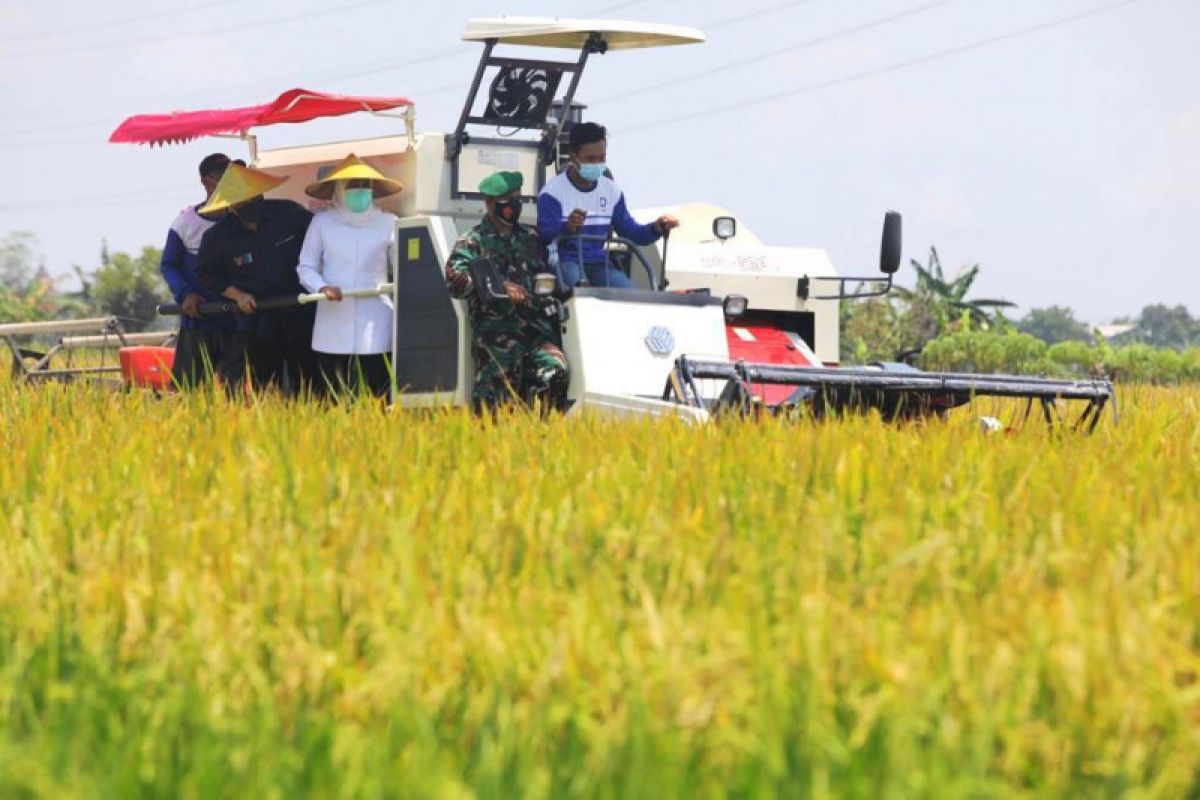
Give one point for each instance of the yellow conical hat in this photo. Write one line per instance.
(353, 168)
(238, 185)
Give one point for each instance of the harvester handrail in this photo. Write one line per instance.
(60, 326)
(580, 238)
(275, 303)
(128, 339)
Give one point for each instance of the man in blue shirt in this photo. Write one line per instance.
(584, 200)
(198, 350)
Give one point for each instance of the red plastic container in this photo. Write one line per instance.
(148, 367)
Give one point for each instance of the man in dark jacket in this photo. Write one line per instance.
(250, 256)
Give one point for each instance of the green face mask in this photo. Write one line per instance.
(358, 200)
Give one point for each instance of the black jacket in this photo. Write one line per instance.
(261, 262)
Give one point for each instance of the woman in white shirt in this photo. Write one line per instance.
(348, 247)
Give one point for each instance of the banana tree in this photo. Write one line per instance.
(945, 298)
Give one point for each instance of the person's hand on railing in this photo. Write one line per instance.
(333, 293)
(576, 219)
(516, 292)
(245, 301)
(190, 307)
(666, 223)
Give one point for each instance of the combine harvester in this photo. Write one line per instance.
(727, 325)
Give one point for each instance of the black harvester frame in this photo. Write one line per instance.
(897, 391)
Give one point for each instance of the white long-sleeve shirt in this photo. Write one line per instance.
(350, 257)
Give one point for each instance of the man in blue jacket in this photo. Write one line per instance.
(198, 349)
(584, 200)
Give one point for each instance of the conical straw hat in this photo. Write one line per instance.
(238, 185)
(353, 168)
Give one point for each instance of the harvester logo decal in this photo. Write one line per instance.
(660, 341)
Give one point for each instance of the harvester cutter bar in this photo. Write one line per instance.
(897, 393)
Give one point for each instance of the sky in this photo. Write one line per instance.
(1054, 142)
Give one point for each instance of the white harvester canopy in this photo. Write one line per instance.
(574, 34)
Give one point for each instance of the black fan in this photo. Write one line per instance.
(522, 96)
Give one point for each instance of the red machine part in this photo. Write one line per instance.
(765, 345)
(147, 367)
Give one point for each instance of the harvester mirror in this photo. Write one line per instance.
(489, 285)
(544, 284)
(724, 228)
(889, 253)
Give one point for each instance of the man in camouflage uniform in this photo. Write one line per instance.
(514, 340)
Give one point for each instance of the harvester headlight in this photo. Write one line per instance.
(735, 305)
(544, 284)
(724, 228)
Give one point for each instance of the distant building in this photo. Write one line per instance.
(1115, 329)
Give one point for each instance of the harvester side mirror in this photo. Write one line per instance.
(889, 253)
(489, 284)
(724, 228)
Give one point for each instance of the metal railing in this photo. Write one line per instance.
(897, 394)
(579, 239)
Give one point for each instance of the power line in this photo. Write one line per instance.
(616, 7)
(893, 67)
(154, 195)
(115, 23)
(434, 56)
(451, 53)
(762, 12)
(875, 23)
(410, 62)
(321, 12)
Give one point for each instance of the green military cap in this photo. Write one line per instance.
(499, 184)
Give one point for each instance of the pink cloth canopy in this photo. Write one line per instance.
(294, 105)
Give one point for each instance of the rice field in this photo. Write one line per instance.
(205, 600)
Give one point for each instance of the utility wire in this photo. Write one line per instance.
(321, 12)
(762, 12)
(154, 195)
(893, 67)
(116, 23)
(866, 26)
(451, 53)
(434, 56)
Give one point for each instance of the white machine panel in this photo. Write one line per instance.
(606, 343)
(478, 161)
(767, 276)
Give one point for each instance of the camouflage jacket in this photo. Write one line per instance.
(518, 258)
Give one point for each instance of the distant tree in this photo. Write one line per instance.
(27, 292)
(1053, 325)
(35, 303)
(938, 300)
(871, 331)
(18, 262)
(1162, 326)
(128, 287)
